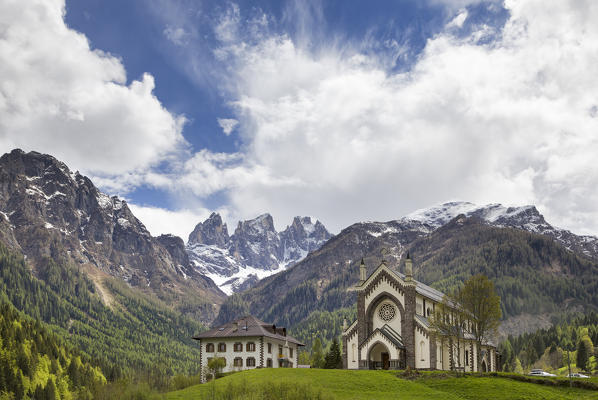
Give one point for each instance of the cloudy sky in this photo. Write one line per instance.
(343, 110)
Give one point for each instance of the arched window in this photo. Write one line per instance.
(210, 348)
(421, 350)
(354, 347)
(269, 363)
(238, 347)
(250, 362)
(238, 362)
(250, 346)
(221, 347)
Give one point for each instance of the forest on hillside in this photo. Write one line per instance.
(571, 341)
(133, 335)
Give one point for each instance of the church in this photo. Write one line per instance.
(392, 330)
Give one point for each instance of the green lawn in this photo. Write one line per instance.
(381, 385)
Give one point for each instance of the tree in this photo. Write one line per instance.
(508, 356)
(585, 349)
(479, 300)
(215, 366)
(304, 358)
(317, 357)
(333, 359)
(449, 320)
(518, 368)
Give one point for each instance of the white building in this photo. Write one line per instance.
(248, 343)
(392, 330)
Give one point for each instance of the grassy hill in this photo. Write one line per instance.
(370, 385)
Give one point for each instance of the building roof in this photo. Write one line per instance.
(248, 326)
(422, 289)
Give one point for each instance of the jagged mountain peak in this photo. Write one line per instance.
(257, 226)
(210, 232)
(255, 250)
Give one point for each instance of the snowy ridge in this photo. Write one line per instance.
(526, 218)
(255, 250)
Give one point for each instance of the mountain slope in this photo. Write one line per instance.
(47, 211)
(133, 333)
(254, 251)
(536, 275)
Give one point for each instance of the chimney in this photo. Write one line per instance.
(235, 326)
(362, 272)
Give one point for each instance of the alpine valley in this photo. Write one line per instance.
(82, 264)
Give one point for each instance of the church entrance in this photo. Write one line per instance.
(379, 357)
(385, 361)
(484, 368)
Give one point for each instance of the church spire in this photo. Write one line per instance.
(408, 269)
(362, 272)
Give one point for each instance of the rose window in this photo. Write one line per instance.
(387, 312)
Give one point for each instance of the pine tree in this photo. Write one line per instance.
(50, 390)
(582, 358)
(333, 358)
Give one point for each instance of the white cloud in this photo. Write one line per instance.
(59, 96)
(227, 125)
(176, 35)
(162, 221)
(334, 134)
(458, 21)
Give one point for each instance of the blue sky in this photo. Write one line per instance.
(343, 110)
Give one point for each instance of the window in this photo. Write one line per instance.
(210, 348)
(222, 347)
(387, 312)
(270, 348)
(428, 311)
(291, 352)
(250, 362)
(238, 347)
(420, 309)
(466, 357)
(421, 350)
(269, 363)
(354, 351)
(238, 362)
(250, 346)
(279, 350)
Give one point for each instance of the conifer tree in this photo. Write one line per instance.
(333, 359)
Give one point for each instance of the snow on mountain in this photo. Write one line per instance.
(254, 251)
(526, 218)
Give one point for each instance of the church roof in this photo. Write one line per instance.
(248, 326)
(392, 335)
(424, 290)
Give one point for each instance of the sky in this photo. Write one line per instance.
(342, 110)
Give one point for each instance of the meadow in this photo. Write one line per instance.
(312, 384)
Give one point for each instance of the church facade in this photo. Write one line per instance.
(392, 330)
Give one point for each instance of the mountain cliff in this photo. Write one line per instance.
(255, 249)
(49, 212)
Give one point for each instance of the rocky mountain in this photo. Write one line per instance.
(539, 271)
(49, 212)
(255, 250)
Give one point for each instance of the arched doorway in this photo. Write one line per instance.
(379, 357)
(484, 368)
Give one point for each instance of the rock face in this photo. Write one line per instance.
(48, 211)
(254, 251)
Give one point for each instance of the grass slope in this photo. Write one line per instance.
(382, 385)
